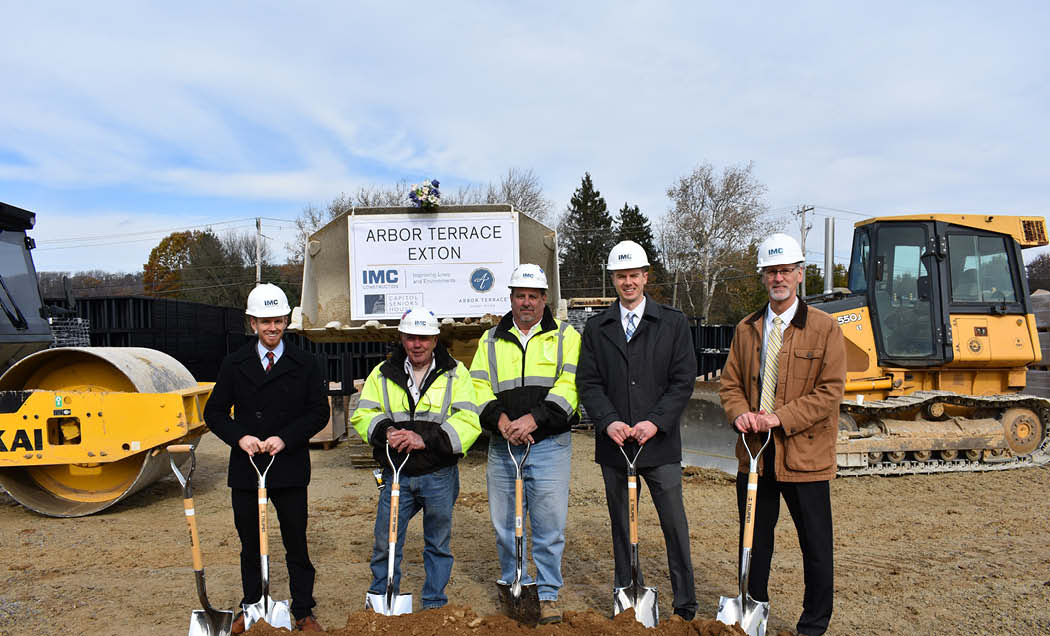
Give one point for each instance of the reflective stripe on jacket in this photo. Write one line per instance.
(539, 378)
(445, 417)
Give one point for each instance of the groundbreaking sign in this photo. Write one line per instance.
(456, 265)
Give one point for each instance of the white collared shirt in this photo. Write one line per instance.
(787, 316)
(262, 350)
(523, 337)
(412, 388)
(637, 311)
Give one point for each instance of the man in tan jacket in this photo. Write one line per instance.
(786, 373)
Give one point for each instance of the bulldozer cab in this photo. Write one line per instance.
(919, 272)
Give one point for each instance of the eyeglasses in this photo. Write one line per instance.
(784, 272)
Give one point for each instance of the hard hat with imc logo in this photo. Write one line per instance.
(267, 301)
(528, 275)
(419, 321)
(779, 249)
(627, 255)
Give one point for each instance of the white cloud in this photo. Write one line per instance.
(879, 108)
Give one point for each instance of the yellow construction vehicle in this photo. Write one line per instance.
(80, 428)
(939, 329)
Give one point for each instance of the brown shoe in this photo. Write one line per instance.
(308, 624)
(549, 612)
(238, 624)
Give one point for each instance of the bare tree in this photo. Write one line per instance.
(715, 215)
(522, 189)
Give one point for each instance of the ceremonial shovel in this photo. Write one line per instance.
(520, 602)
(277, 614)
(208, 621)
(642, 599)
(390, 604)
(751, 614)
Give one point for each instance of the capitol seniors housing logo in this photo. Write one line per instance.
(482, 279)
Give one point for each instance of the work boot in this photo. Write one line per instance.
(308, 624)
(549, 612)
(238, 624)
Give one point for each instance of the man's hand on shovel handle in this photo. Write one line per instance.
(746, 422)
(403, 440)
(250, 444)
(643, 431)
(618, 432)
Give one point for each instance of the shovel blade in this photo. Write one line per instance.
(641, 599)
(275, 613)
(523, 607)
(213, 623)
(750, 614)
(401, 604)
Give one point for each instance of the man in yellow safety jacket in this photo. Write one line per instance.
(421, 403)
(525, 378)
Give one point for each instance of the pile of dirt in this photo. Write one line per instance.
(454, 620)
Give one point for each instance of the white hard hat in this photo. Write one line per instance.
(779, 249)
(267, 301)
(627, 255)
(528, 275)
(419, 321)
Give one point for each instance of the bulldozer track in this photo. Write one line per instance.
(899, 405)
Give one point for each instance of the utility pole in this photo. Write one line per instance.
(258, 251)
(803, 228)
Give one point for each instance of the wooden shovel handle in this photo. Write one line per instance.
(195, 543)
(264, 535)
(519, 504)
(749, 509)
(180, 448)
(632, 505)
(395, 504)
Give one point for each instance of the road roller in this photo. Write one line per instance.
(82, 428)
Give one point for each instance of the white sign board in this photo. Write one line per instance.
(454, 264)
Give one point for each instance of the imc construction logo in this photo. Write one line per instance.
(482, 279)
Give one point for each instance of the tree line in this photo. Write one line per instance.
(702, 251)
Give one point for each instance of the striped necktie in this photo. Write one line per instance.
(269, 361)
(769, 371)
(630, 326)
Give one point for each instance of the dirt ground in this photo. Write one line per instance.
(929, 554)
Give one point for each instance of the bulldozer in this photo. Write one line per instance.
(939, 329)
(81, 428)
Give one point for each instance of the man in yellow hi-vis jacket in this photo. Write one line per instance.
(420, 402)
(525, 379)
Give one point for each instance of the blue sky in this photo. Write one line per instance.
(123, 121)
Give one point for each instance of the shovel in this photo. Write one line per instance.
(749, 613)
(391, 604)
(520, 602)
(641, 599)
(208, 621)
(276, 614)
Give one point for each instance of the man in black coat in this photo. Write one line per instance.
(279, 402)
(636, 373)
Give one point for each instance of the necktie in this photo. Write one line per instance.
(769, 371)
(269, 361)
(630, 326)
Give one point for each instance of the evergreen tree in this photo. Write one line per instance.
(633, 225)
(585, 236)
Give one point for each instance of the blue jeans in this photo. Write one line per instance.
(434, 494)
(546, 476)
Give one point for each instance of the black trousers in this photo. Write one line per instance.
(810, 506)
(665, 487)
(292, 515)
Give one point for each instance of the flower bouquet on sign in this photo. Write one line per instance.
(425, 195)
